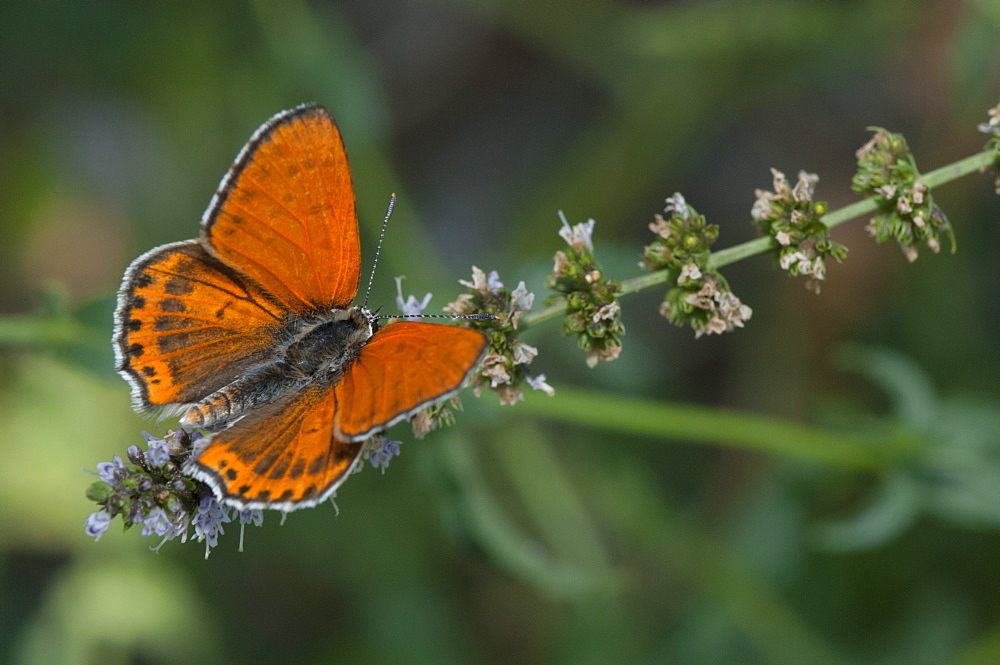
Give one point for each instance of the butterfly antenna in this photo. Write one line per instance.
(483, 316)
(378, 248)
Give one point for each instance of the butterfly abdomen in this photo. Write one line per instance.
(262, 385)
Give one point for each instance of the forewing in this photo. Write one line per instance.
(186, 325)
(405, 367)
(281, 456)
(285, 215)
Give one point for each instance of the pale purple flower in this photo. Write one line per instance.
(108, 471)
(158, 522)
(97, 524)
(157, 451)
(676, 203)
(208, 522)
(410, 307)
(379, 457)
(482, 282)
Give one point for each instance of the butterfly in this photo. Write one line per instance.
(248, 331)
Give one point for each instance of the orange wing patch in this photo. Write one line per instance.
(186, 325)
(405, 366)
(280, 456)
(285, 214)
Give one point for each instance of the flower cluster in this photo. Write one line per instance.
(151, 491)
(992, 127)
(505, 367)
(379, 451)
(887, 168)
(592, 310)
(701, 298)
(789, 215)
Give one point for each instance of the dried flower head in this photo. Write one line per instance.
(886, 168)
(792, 218)
(701, 297)
(592, 311)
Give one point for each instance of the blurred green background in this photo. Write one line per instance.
(526, 534)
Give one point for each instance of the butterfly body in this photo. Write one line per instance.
(249, 330)
(310, 350)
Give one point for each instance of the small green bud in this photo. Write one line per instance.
(99, 491)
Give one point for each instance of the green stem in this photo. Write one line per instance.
(750, 248)
(701, 425)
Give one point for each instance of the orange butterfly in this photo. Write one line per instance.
(250, 330)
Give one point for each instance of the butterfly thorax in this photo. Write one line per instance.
(312, 350)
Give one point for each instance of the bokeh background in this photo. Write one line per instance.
(525, 534)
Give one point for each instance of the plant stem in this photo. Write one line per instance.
(750, 248)
(733, 429)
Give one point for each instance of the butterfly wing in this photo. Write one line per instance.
(186, 325)
(281, 456)
(285, 215)
(405, 367)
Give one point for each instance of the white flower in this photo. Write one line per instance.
(606, 312)
(520, 299)
(903, 205)
(784, 238)
(494, 369)
(934, 245)
(578, 236)
(690, 272)
(676, 203)
(787, 260)
(539, 383)
(762, 208)
(805, 187)
(781, 189)
(888, 191)
(524, 353)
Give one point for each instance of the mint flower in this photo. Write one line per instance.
(97, 523)
(208, 522)
(379, 451)
(151, 491)
(592, 311)
(504, 368)
(909, 215)
(701, 297)
(789, 216)
(411, 307)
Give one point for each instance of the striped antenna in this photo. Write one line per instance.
(381, 235)
(371, 280)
